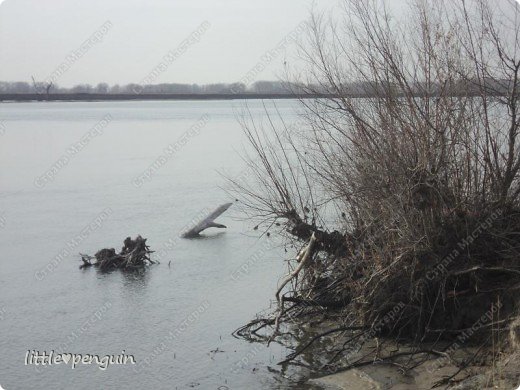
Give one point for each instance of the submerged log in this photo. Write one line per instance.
(134, 254)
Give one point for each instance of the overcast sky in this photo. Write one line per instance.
(36, 36)
(134, 36)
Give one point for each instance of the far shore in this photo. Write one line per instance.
(33, 97)
(87, 97)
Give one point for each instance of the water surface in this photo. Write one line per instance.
(53, 307)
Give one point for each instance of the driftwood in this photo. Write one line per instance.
(208, 222)
(134, 254)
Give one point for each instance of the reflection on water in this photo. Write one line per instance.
(206, 236)
(63, 309)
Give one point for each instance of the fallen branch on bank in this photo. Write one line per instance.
(134, 254)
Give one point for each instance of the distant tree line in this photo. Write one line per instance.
(271, 87)
(366, 88)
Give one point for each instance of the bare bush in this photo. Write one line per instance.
(415, 150)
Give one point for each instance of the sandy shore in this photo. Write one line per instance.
(505, 375)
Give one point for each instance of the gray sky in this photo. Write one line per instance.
(36, 36)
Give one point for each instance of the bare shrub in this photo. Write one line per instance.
(406, 169)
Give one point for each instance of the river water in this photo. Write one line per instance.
(77, 177)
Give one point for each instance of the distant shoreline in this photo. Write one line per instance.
(99, 97)
(33, 97)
